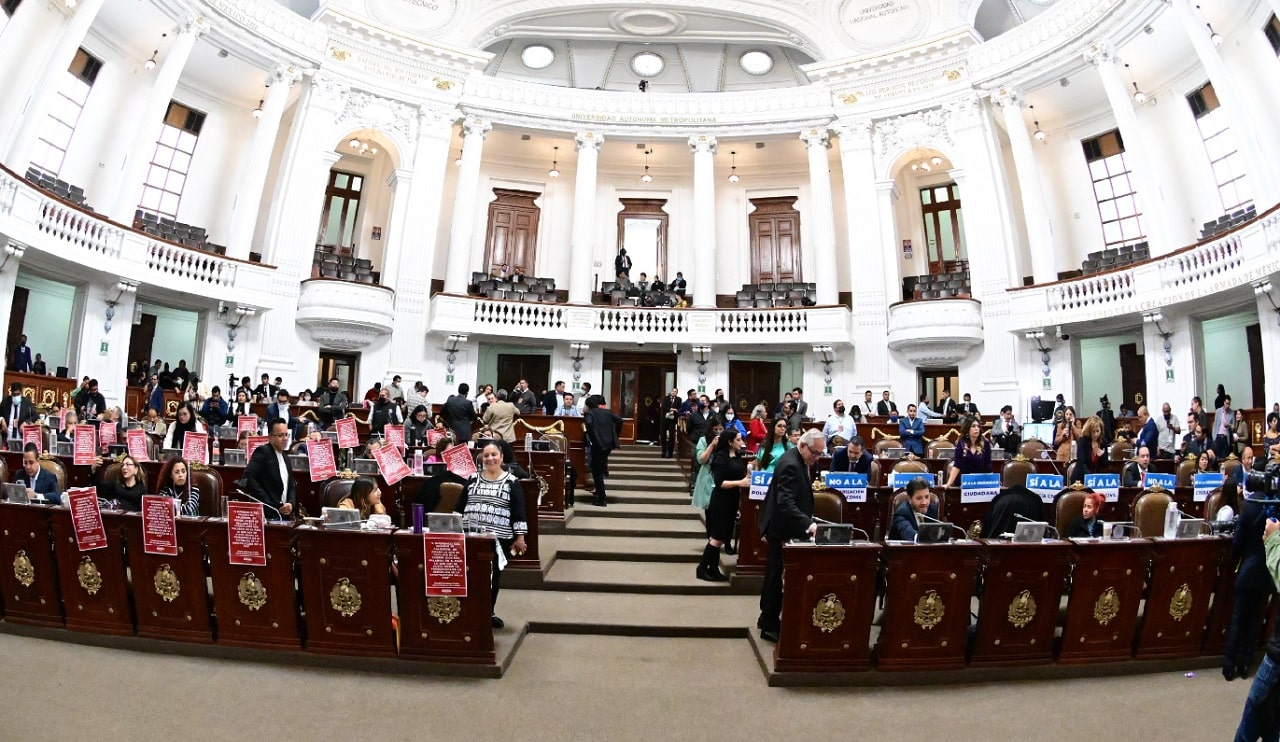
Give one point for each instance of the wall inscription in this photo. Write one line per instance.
(412, 16)
(882, 23)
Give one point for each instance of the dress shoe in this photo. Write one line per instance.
(728, 549)
(1242, 671)
(497, 622)
(600, 502)
(1229, 672)
(769, 635)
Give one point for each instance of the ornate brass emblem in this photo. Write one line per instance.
(1022, 609)
(828, 614)
(953, 75)
(252, 594)
(1107, 607)
(929, 610)
(849, 98)
(90, 577)
(975, 529)
(167, 585)
(445, 609)
(23, 570)
(442, 84)
(339, 54)
(1180, 605)
(345, 598)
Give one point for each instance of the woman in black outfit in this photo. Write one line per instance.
(127, 490)
(1086, 524)
(1091, 456)
(729, 471)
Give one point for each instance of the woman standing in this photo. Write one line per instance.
(729, 472)
(703, 484)
(185, 422)
(1240, 437)
(1067, 433)
(757, 430)
(973, 452)
(1091, 456)
(1270, 439)
(775, 444)
(731, 422)
(494, 500)
(175, 482)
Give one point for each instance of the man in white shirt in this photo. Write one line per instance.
(418, 396)
(839, 423)
(1167, 432)
(395, 390)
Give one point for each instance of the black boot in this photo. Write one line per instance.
(709, 567)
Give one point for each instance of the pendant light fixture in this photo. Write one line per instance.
(646, 177)
(733, 171)
(554, 172)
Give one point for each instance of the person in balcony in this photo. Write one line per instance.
(679, 285)
(925, 410)
(622, 265)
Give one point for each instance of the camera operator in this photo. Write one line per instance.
(1167, 430)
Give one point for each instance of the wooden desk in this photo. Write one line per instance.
(1183, 573)
(753, 551)
(827, 606)
(532, 558)
(1106, 587)
(1022, 589)
(94, 585)
(455, 630)
(171, 593)
(346, 591)
(256, 606)
(43, 391)
(29, 586)
(926, 617)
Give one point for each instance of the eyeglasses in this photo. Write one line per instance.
(280, 435)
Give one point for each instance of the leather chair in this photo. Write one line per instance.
(900, 495)
(4, 471)
(1069, 471)
(55, 467)
(873, 478)
(1149, 510)
(1186, 470)
(911, 465)
(450, 492)
(111, 473)
(1122, 451)
(210, 485)
(828, 505)
(938, 445)
(1068, 506)
(1229, 467)
(1015, 472)
(884, 444)
(1213, 503)
(335, 490)
(1032, 449)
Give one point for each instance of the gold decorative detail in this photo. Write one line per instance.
(818, 485)
(1107, 607)
(442, 84)
(347, 474)
(828, 614)
(251, 591)
(849, 98)
(1180, 605)
(198, 466)
(929, 610)
(1157, 487)
(90, 577)
(345, 598)
(975, 529)
(878, 433)
(555, 427)
(953, 75)
(444, 609)
(339, 54)
(1022, 609)
(167, 585)
(23, 570)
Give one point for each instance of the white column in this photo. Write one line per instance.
(1182, 384)
(103, 354)
(1039, 230)
(821, 219)
(137, 161)
(1262, 175)
(887, 194)
(1269, 329)
(703, 147)
(1147, 195)
(866, 256)
(399, 181)
(42, 88)
(584, 215)
(244, 212)
(466, 197)
(10, 260)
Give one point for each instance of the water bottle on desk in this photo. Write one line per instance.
(1171, 518)
(528, 441)
(417, 462)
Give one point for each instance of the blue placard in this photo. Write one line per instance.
(1168, 481)
(1047, 486)
(760, 484)
(1204, 484)
(1107, 485)
(979, 487)
(852, 486)
(900, 479)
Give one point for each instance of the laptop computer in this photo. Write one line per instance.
(16, 493)
(894, 453)
(1118, 529)
(933, 533)
(1029, 533)
(944, 454)
(1191, 528)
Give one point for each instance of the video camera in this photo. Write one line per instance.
(1267, 481)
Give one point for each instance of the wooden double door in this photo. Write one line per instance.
(775, 240)
(752, 383)
(511, 237)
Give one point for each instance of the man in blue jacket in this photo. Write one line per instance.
(911, 431)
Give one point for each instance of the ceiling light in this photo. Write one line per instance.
(936, 160)
(150, 64)
(1139, 97)
(1038, 133)
(537, 56)
(756, 62)
(458, 160)
(257, 112)
(1214, 36)
(646, 177)
(647, 64)
(733, 171)
(365, 148)
(554, 172)
(354, 144)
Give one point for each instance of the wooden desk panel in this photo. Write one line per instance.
(1224, 596)
(1106, 587)
(28, 568)
(926, 617)
(43, 391)
(171, 593)
(753, 550)
(550, 466)
(828, 602)
(1022, 589)
(1183, 573)
(94, 584)
(346, 591)
(455, 630)
(256, 606)
(532, 559)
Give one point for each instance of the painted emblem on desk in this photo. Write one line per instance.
(929, 610)
(1022, 610)
(975, 529)
(345, 598)
(1180, 604)
(23, 570)
(90, 577)
(445, 609)
(167, 585)
(1107, 607)
(252, 594)
(828, 614)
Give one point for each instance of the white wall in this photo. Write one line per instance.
(48, 319)
(1100, 371)
(1226, 358)
(176, 334)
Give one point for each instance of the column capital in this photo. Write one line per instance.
(592, 139)
(1007, 97)
(284, 74)
(854, 133)
(702, 143)
(958, 174)
(193, 23)
(399, 176)
(890, 188)
(1099, 53)
(329, 158)
(816, 137)
(476, 126)
(434, 122)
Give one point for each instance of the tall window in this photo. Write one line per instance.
(64, 112)
(1272, 30)
(1113, 189)
(943, 225)
(172, 160)
(341, 205)
(1224, 158)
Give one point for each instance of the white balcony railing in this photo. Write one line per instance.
(606, 324)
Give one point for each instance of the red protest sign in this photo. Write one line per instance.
(252, 442)
(320, 460)
(348, 435)
(86, 445)
(86, 518)
(246, 534)
(445, 557)
(434, 436)
(107, 433)
(195, 447)
(390, 464)
(32, 434)
(136, 440)
(247, 424)
(159, 525)
(395, 436)
(459, 461)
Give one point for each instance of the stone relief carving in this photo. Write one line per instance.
(375, 112)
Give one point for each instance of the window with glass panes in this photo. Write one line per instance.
(64, 113)
(943, 224)
(171, 162)
(1220, 145)
(1113, 189)
(341, 205)
(1272, 32)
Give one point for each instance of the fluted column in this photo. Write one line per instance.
(1262, 175)
(1147, 193)
(584, 215)
(244, 212)
(1269, 331)
(393, 242)
(42, 88)
(887, 194)
(1039, 231)
(137, 161)
(474, 131)
(866, 254)
(703, 147)
(822, 221)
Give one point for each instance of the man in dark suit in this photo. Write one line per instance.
(89, 402)
(911, 431)
(1135, 472)
(15, 411)
(853, 457)
(22, 356)
(670, 415)
(458, 413)
(552, 399)
(947, 407)
(601, 427)
(524, 399)
(967, 407)
(331, 403)
(885, 406)
(35, 478)
(1149, 433)
(785, 514)
(1253, 583)
(266, 476)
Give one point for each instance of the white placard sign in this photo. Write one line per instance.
(1107, 485)
(1047, 486)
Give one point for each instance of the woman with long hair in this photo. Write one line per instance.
(185, 421)
(1091, 455)
(175, 482)
(127, 489)
(973, 452)
(729, 471)
(365, 497)
(1067, 433)
(703, 483)
(776, 442)
(494, 500)
(757, 430)
(1271, 438)
(1240, 437)
(242, 405)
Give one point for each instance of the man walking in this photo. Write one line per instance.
(787, 513)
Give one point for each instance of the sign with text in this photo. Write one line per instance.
(1047, 486)
(1203, 484)
(900, 479)
(252, 442)
(1107, 485)
(136, 441)
(86, 518)
(979, 487)
(32, 434)
(246, 534)
(247, 424)
(1152, 478)
(760, 484)
(852, 486)
(391, 464)
(107, 434)
(445, 557)
(320, 460)
(434, 436)
(159, 525)
(457, 459)
(195, 447)
(85, 449)
(348, 435)
(395, 436)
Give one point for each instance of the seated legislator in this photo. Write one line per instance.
(127, 490)
(494, 500)
(153, 423)
(911, 431)
(35, 478)
(1086, 524)
(69, 422)
(266, 476)
(905, 524)
(215, 409)
(1135, 472)
(242, 406)
(568, 408)
(852, 457)
(280, 409)
(973, 452)
(175, 482)
(184, 421)
(365, 497)
(417, 427)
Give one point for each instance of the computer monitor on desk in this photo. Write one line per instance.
(933, 533)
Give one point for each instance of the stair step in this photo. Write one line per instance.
(584, 524)
(715, 614)
(626, 509)
(632, 577)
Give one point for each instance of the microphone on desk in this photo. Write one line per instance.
(964, 535)
(825, 522)
(242, 493)
(1056, 532)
